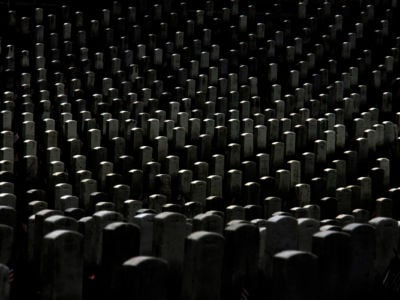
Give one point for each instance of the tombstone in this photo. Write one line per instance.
(328, 207)
(384, 207)
(7, 199)
(58, 222)
(169, 232)
(314, 211)
(302, 193)
(121, 241)
(208, 222)
(130, 209)
(120, 193)
(6, 243)
(241, 260)
(281, 235)
(387, 236)
(295, 275)
(198, 191)
(74, 212)
(306, 227)
(361, 215)
(253, 212)
(271, 205)
(60, 190)
(87, 227)
(191, 209)
(334, 256)
(139, 275)
(104, 205)
(102, 219)
(203, 265)
(345, 219)
(62, 251)
(68, 201)
(343, 199)
(35, 232)
(4, 282)
(234, 212)
(135, 177)
(87, 186)
(7, 187)
(363, 253)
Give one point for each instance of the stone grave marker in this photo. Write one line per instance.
(203, 265)
(241, 259)
(139, 275)
(6, 243)
(121, 241)
(295, 275)
(363, 252)
(169, 232)
(334, 256)
(62, 251)
(4, 282)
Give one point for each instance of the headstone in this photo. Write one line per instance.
(87, 227)
(208, 222)
(387, 236)
(68, 201)
(384, 207)
(62, 251)
(281, 235)
(130, 209)
(145, 221)
(169, 234)
(295, 275)
(121, 241)
(102, 219)
(6, 243)
(203, 265)
(4, 282)
(271, 205)
(57, 222)
(241, 259)
(363, 253)
(139, 275)
(306, 227)
(7, 199)
(333, 251)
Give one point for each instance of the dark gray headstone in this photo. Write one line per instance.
(139, 275)
(208, 222)
(87, 227)
(62, 251)
(6, 243)
(146, 222)
(4, 282)
(202, 275)
(281, 235)
(363, 252)
(387, 240)
(8, 215)
(169, 233)
(121, 241)
(333, 251)
(102, 219)
(295, 275)
(241, 259)
(306, 227)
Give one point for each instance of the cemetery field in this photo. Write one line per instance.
(200, 150)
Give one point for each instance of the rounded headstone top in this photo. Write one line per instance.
(140, 260)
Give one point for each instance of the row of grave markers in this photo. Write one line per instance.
(205, 263)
